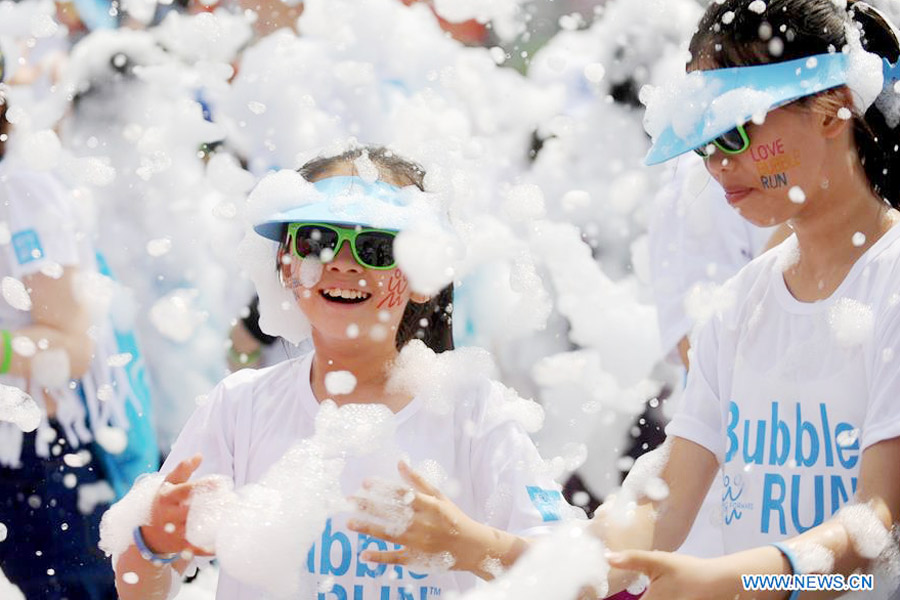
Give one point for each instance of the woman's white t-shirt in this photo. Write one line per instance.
(253, 417)
(788, 394)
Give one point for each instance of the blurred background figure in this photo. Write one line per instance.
(76, 423)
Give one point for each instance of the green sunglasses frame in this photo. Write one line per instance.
(701, 151)
(348, 234)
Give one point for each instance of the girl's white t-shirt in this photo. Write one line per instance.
(788, 394)
(253, 417)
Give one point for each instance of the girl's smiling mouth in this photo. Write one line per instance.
(344, 296)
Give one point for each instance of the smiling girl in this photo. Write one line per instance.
(362, 311)
(793, 384)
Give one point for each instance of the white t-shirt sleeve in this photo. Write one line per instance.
(210, 431)
(509, 478)
(43, 229)
(699, 416)
(883, 412)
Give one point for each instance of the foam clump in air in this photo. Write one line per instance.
(439, 380)
(15, 294)
(556, 566)
(340, 382)
(174, 315)
(757, 6)
(851, 321)
(19, 408)
(91, 495)
(428, 255)
(51, 368)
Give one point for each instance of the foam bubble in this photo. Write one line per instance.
(19, 408)
(851, 321)
(15, 294)
(340, 382)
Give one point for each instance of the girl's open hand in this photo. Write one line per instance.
(165, 534)
(432, 529)
(675, 576)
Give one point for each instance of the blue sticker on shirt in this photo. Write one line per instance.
(27, 245)
(546, 501)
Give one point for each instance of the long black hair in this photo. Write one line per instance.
(429, 321)
(791, 29)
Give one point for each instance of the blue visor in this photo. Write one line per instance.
(349, 200)
(711, 103)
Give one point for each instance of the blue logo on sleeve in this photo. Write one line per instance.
(27, 245)
(546, 501)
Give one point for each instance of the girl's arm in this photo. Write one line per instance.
(674, 576)
(59, 318)
(631, 521)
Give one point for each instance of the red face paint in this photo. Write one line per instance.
(767, 151)
(396, 288)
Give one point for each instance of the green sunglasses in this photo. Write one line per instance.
(372, 248)
(731, 142)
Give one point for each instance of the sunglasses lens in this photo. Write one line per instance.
(375, 248)
(310, 240)
(732, 141)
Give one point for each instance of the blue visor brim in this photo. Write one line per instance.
(725, 98)
(346, 200)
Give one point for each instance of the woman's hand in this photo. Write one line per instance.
(676, 576)
(435, 531)
(165, 534)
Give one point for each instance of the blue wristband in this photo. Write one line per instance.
(149, 554)
(792, 560)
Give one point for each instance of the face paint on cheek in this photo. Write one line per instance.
(396, 288)
(774, 158)
(763, 152)
(774, 181)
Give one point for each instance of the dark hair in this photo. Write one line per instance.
(436, 313)
(791, 29)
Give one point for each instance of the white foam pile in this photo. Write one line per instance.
(872, 541)
(557, 566)
(260, 533)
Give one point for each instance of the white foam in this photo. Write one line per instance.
(260, 533)
(340, 382)
(19, 408)
(8, 590)
(15, 294)
(51, 368)
(439, 380)
(91, 495)
(118, 523)
(556, 566)
(851, 321)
